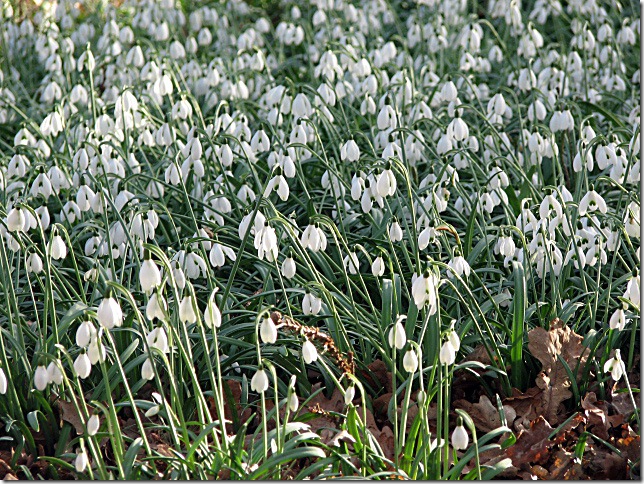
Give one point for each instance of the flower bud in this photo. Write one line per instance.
(268, 331)
(259, 382)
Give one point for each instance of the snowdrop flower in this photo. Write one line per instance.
(157, 338)
(313, 238)
(259, 382)
(157, 307)
(632, 220)
(386, 185)
(447, 355)
(212, 313)
(3, 382)
(16, 220)
(632, 292)
(349, 394)
(41, 378)
(309, 352)
(378, 267)
(311, 304)
(109, 313)
(147, 370)
(460, 266)
(84, 334)
(351, 261)
(58, 248)
(268, 330)
(410, 361)
(395, 232)
(266, 243)
(149, 275)
(187, 313)
(424, 290)
(34, 263)
(590, 202)
(81, 461)
(350, 151)
(289, 268)
(93, 425)
(460, 439)
(615, 366)
(82, 365)
(504, 246)
(397, 336)
(54, 373)
(618, 320)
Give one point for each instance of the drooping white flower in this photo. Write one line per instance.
(93, 425)
(3, 382)
(309, 352)
(615, 366)
(149, 275)
(590, 202)
(378, 267)
(289, 268)
(187, 313)
(460, 266)
(268, 330)
(311, 304)
(212, 313)
(349, 394)
(425, 291)
(41, 378)
(618, 320)
(147, 370)
(410, 361)
(259, 382)
(58, 248)
(54, 373)
(81, 461)
(460, 439)
(397, 335)
(109, 313)
(82, 365)
(447, 355)
(16, 220)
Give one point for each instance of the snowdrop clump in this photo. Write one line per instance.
(171, 173)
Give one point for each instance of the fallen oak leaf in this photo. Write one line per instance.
(547, 347)
(485, 414)
(532, 445)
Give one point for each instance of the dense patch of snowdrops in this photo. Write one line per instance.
(388, 172)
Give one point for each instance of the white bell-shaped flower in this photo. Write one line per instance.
(3, 382)
(259, 382)
(460, 439)
(41, 378)
(311, 304)
(410, 361)
(447, 355)
(54, 373)
(187, 313)
(109, 313)
(618, 320)
(268, 330)
(81, 461)
(82, 365)
(289, 268)
(212, 314)
(309, 352)
(378, 267)
(591, 202)
(16, 220)
(615, 366)
(397, 336)
(147, 369)
(149, 275)
(58, 248)
(93, 425)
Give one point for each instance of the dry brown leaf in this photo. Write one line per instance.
(533, 445)
(623, 403)
(485, 414)
(554, 382)
(69, 413)
(377, 376)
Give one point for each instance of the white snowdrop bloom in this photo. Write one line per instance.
(311, 304)
(187, 314)
(632, 220)
(447, 355)
(309, 352)
(109, 313)
(386, 185)
(82, 365)
(212, 313)
(81, 461)
(351, 262)
(289, 268)
(149, 275)
(93, 425)
(293, 402)
(34, 263)
(268, 330)
(54, 373)
(266, 243)
(378, 267)
(52, 124)
(157, 338)
(58, 248)
(350, 151)
(313, 238)
(218, 254)
(618, 320)
(259, 382)
(591, 202)
(3, 382)
(41, 378)
(615, 366)
(16, 220)
(550, 206)
(386, 118)
(448, 91)
(147, 369)
(458, 130)
(632, 292)
(397, 337)
(504, 246)
(410, 361)
(157, 307)
(395, 232)
(460, 439)
(258, 224)
(424, 290)
(84, 334)
(460, 266)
